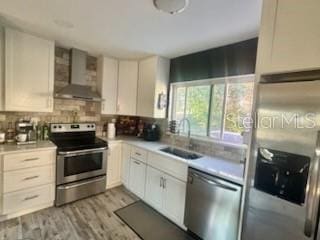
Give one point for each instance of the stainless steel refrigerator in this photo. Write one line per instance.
(283, 178)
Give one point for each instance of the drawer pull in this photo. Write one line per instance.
(30, 178)
(30, 198)
(164, 184)
(30, 159)
(139, 154)
(136, 162)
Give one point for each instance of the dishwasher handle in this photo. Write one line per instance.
(211, 182)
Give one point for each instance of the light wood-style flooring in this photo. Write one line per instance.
(87, 219)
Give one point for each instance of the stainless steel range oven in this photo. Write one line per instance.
(81, 161)
(82, 164)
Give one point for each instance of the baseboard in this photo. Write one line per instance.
(109, 186)
(24, 212)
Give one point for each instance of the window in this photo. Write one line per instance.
(216, 108)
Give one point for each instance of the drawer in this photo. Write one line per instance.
(139, 154)
(21, 200)
(15, 161)
(173, 167)
(26, 178)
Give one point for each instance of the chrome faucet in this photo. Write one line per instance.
(180, 123)
(189, 131)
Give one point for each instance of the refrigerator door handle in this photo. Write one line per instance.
(312, 203)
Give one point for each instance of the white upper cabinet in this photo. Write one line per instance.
(289, 36)
(127, 88)
(29, 72)
(152, 87)
(107, 77)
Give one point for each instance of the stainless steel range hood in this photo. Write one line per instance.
(78, 88)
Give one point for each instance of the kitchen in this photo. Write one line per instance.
(157, 129)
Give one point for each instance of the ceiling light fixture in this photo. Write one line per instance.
(171, 6)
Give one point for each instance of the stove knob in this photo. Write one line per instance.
(92, 126)
(60, 126)
(54, 126)
(88, 126)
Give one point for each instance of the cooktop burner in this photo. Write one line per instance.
(74, 137)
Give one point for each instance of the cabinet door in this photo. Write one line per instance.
(154, 189)
(295, 29)
(153, 80)
(174, 199)
(29, 71)
(114, 165)
(108, 84)
(146, 87)
(127, 88)
(297, 35)
(126, 150)
(137, 178)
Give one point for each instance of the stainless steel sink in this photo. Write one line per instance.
(181, 153)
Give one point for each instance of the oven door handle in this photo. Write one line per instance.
(312, 202)
(82, 152)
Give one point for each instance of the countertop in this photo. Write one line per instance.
(216, 166)
(13, 147)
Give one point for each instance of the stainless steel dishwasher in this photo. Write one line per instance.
(212, 207)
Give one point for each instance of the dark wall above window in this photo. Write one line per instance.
(230, 60)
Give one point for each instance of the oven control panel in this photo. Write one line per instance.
(72, 127)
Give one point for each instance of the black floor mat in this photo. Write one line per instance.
(148, 224)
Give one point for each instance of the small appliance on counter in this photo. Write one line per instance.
(10, 133)
(151, 132)
(112, 129)
(25, 132)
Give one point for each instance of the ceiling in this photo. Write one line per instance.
(134, 28)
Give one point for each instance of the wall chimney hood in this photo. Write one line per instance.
(78, 88)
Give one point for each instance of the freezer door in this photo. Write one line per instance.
(288, 116)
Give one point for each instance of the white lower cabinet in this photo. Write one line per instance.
(166, 194)
(126, 151)
(28, 182)
(22, 200)
(25, 178)
(137, 177)
(154, 189)
(114, 165)
(158, 180)
(174, 199)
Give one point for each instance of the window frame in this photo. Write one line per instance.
(211, 82)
